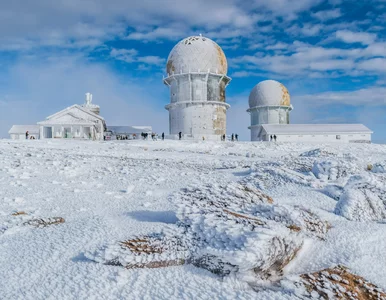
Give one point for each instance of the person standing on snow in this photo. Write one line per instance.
(237, 137)
(163, 135)
(274, 137)
(26, 135)
(180, 135)
(232, 137)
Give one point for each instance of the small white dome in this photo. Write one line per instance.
(197, 53)
(269, 93)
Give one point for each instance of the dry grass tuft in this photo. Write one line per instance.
(339, 283)
(19, 213)
(40, 223)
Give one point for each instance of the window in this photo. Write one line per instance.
(338, 137)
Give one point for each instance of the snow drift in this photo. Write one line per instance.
(232, 228)
(363, 199)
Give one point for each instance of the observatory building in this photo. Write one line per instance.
(197, 78)
(270, 106)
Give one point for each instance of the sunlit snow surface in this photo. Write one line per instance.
(110, 191)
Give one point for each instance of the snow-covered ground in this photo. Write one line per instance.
(110, 191)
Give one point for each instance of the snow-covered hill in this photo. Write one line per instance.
(107, 192)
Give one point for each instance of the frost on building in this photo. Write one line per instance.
(197, 79)
(18, 132)
(269, 108)
(127, 132)
(76, 121)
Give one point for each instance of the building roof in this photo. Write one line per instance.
(197, 54)
(129, 129)
(20, 129)
(315, 128)
(269, 93)
(70, 108)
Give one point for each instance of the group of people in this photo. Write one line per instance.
(154, 136)
(273, 137)
(27, 135)
(234, 137)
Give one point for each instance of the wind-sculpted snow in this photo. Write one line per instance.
(149, 251)
(363, 199)
(157, 215)
(232, 228)
(379, 167)
(268, 177)
(319, 153)
(19, 219)
(333, 170)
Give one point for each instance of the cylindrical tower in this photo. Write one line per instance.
(197, 78)
(269, 103)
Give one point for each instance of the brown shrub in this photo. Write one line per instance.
(341, 283)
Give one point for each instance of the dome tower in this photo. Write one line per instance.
(269, 103)
(197, 77)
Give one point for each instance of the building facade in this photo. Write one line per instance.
(73, 122)
(18, 132)
(197, 79)
(269, 109)
(320, 133)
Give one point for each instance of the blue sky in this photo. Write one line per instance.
(330, 54)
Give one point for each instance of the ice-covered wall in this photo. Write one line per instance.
(259, 134)
(196, 76)
(269, 103)
(267, 115)
(197, 107)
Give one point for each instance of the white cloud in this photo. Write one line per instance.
(375, 64)
(131, 56)
(355, 37)
(36, 90)
(168, 33)
(373, 96)
(325, 15)
(287, 8)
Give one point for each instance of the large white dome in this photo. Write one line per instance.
(269, 93)
(197, 54)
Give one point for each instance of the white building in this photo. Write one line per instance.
(76, 121)
(346, 133)
(73, 122)
(270, 106)
(130, 132)
(18, 132)
(197, 78)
